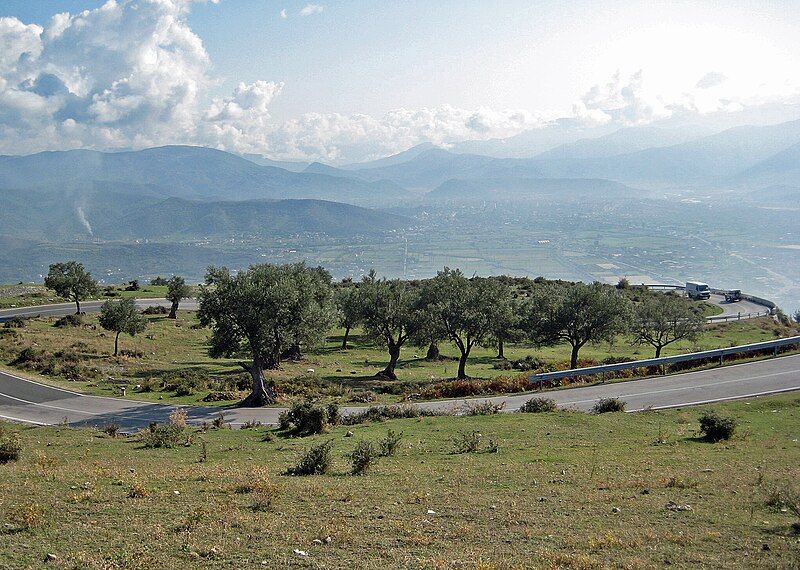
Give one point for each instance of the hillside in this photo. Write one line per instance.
(101, 214)
(782, 169)
(180, 171)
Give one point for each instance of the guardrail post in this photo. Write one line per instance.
(721, 356)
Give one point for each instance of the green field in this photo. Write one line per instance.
(30, 295)
(175, 352)
(564, 489)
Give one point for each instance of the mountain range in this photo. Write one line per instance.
(183, 192)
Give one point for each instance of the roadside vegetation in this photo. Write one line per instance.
(282, 333)
(550, 489)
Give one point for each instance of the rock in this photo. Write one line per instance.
(542, 499)
(50, 557)
(616, 510)
(317, 541)
(349, 434)
(675, 507)
(645, 491)
(300, 553)
(310, 371)
(431, 512)
(765, 547)
(328, 540)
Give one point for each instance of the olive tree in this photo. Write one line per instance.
(576, 313)
(506, 317)
(659, 320)
(121, 317)
(259, 313)
(177, 290)
(388, 315)
(460, 310)
(71, 281)
(349, 310)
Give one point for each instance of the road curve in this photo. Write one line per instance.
(30, 402)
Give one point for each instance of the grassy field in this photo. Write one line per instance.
(174, 352)
(30, 295)
(564, 489)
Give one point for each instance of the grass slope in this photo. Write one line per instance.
(564, 490)
(179, 348)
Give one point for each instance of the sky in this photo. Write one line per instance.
(353, 80)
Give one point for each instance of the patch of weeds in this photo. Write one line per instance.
(715, 427)
(486, 408)
(316, 461)
(538, 406)
(363, 455)
(393, 412)
(606, 405)
(27, 517)
(467, 442)
(307, 418)
(69, 321)
(111, 430)
(675, 483)
(10, 447)
(138, 491)
(387, 446)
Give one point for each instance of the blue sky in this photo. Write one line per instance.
(544, 59)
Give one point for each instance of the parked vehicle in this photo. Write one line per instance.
(733, 295)
(697, 290)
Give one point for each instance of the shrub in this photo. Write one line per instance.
(69, 321)
(525, 364)
(263, 496)
(486, 408)
(316, 461)
(26, 517)
(715, 427)
(308, 418)
(111, 429)
(138, 491)
(605, 405)
(389, 444)
(28, 356)
(10, 447)
(393, 412)
(467, 388)
(14, 323)
(467, 442)
(166, 435)
(155, 310)
(363, 397)
(538, 405)
(362, 456)
(159, 281)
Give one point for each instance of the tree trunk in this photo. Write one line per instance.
(116, 343)
(573, 360)
(394, 356)
(78, 305)
(173, 312)
(462, 364)
(658, 351)
(292, 353)
(346, 336)
(500, 345)
(263, 392)
(433, 352)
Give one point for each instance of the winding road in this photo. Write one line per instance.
(26, 401)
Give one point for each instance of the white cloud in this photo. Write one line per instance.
(311, 9)
(283, 14)
(711, 79)
(133, 74)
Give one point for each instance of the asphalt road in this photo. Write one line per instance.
(30, 402)
(742, 307)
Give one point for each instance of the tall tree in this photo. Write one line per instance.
(506, 316)
(388, 315)
(121, 317)
(71, 281)
(462, 310)
(577, 314)
(349, 310)
(661, 319)
(177, 290)
(313, 314)
(259, 313)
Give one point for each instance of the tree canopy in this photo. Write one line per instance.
(661, 319)
(177, 290)
(347, 300)
(576, 313)
(460, 310)
(121, 317)
(389, 315)
(71, 281)
(262, 312)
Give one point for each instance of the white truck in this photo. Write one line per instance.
(697, 291)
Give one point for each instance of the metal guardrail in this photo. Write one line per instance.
(738, 316)
(720, 353)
